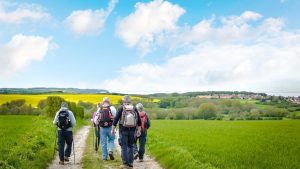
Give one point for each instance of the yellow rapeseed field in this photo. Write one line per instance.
(34, 99)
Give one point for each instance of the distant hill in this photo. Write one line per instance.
(44, 90)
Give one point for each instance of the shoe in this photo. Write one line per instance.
(67, 158)
(104, 159)
(61, 163)
(130, 165)
(111, 155)
(141, 160)
(136, 155)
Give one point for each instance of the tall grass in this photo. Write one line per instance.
(27, 141)
(226, 144)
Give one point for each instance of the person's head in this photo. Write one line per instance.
(126, 99)
(98, 105)
(64, 105)
(140, 107)
(105, 101)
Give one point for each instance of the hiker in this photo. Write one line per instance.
(104, 119)
(65, 121)
(129, 121)
(139, 152)
(97, 128)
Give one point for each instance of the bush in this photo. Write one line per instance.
(207, 110)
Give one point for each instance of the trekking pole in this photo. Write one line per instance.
(73, 148)
(94, 138)
(55, 142)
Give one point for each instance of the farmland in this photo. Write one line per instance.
(34, 99)
(226, 144)
(27, 141)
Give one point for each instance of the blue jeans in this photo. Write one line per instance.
(141, 150)
(105, 134)
(64, 137)
(127, 140)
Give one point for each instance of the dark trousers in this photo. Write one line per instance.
(142, 143)
(97, 134)
(127, 140)
(64, 137)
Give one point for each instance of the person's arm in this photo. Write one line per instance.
(96, 118)
(139, 122)
(55, 120)
(148, 122)
(113, 111)
(72, 118)
(116, 120)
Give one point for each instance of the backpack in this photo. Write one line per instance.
(105, 117)
(129, 116)
(143, 117)
(63, 120)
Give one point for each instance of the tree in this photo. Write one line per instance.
(207, 111)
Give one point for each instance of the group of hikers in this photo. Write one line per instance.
(132, 121)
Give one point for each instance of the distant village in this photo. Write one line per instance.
(252, 96)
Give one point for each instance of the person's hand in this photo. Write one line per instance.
(138, 132)
(113, 131)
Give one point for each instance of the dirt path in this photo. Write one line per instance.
(80, 141)
(148, 162)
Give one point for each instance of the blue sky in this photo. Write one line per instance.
(151, 46)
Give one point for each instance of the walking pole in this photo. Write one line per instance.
(55, 142)
(93, 138)
(73, 148)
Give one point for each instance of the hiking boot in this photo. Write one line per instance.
(130, 165)
(141, 160)
(61, 163)
(111, 155)
(136, 155)
(67, 158)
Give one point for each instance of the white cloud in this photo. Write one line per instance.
(89, 22)
(21, 51)
(148, 23)
(235, 55)
(12, 13)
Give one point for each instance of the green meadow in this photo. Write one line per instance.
(226, 144)
(27, 141)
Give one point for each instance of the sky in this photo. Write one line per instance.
(133, 46)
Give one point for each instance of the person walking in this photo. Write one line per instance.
(129, 121)
(104, 119)
(139, 152)
(65, 121)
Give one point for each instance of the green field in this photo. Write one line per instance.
(27, 141)
(34, 99)
(226, 144)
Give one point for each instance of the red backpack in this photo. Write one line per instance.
(143, 117)
(106, 118)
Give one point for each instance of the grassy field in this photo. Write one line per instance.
(92, 160)
(34, 99)
(226, 144)
(27, 141)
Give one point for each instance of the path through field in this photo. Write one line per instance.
(80, 140)
(148, 163)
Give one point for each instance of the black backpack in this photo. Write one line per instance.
(63, 120)
(105, 117)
